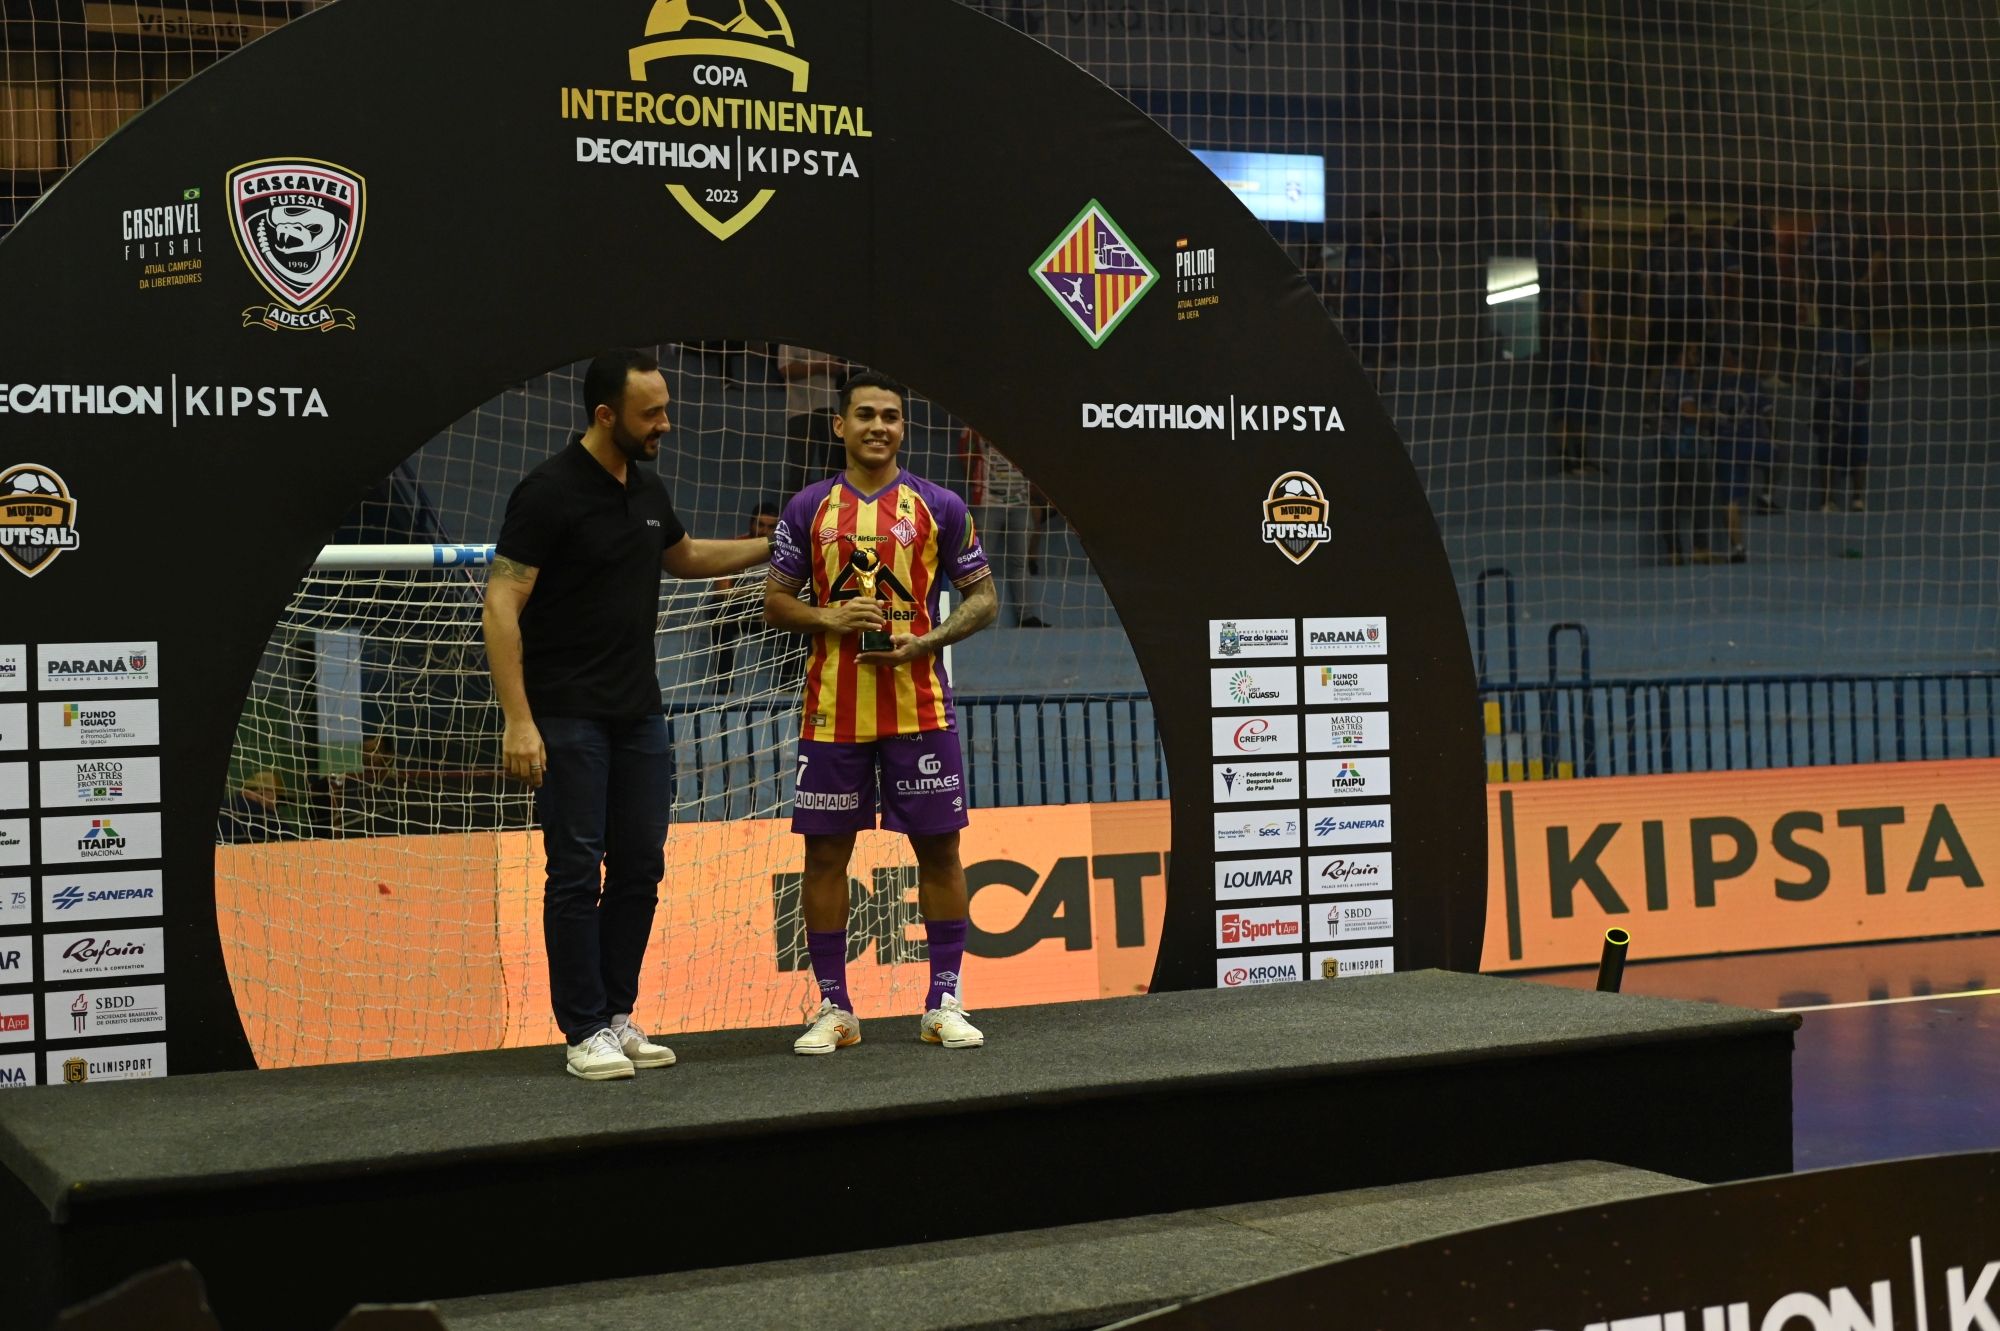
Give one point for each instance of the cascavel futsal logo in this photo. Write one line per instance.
(297, 224)
(1295, 514)
(1093, 273)
(37, 517)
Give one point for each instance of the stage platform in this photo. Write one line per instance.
(312, 1189)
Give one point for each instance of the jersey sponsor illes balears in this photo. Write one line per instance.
(922, 537)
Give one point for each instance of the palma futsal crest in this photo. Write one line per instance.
(1093, 273)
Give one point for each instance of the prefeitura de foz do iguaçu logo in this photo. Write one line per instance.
(720, 101)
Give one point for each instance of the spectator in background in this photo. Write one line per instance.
(1684, 460)
(1575, 354)
(737, 603)
(1676, 291)
(1744, 413)
(1008, 518)
(1759, 312)
(812, 381)
(1371, 289)
(1845, 264)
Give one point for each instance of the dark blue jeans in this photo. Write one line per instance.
(603, 808)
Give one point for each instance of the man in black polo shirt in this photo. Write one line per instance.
(571, 607)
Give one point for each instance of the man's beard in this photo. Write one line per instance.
(634, 447)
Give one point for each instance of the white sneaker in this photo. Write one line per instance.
(832, 1028)
(632, 1042)
(599, 1058)
(945, 1024)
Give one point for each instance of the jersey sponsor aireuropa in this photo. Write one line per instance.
(921, 537)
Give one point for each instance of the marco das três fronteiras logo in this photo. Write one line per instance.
(37, 517)
(1295, 516)
(297, 223)
(722, 101)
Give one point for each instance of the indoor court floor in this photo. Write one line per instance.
(1900, 1051)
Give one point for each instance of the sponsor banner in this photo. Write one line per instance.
(110, 724)
(1346, 732)
(1067, 903)
(101, 953)
(1239, 879)
(118, 1062)
(13, 727)
(13, 785)
(1243, 783)
(1336, 777)
(1354, 871)
(1366, 636)
(1352, 921)
(1345, 683)
(17, 1018)
(13, 842)
(1256, 736)
(1352, 962)
(1741, 861)
(13, 667)
(101, 896)
(16, 902)
(1349, 825)
(69, 1014)
(1252, 686)
(1273, 830)
(1242, 972)
(1257, 926)
(107, 838)
(1253, 637)
(17, 959)
(69, 783)
(68, 666)
(17, 1071)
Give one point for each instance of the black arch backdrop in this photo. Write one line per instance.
(421, 221)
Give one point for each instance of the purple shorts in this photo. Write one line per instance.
(922, 785)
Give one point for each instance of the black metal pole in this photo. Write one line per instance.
(1611, 968)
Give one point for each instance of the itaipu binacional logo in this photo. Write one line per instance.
(1295, 516)
(1093, 273)
(297, 223)
(37, 518)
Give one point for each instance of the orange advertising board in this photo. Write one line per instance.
(380, 946)
(1740, 861)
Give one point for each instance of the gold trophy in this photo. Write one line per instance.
(867, 568)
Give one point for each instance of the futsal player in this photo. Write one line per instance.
(878, 726)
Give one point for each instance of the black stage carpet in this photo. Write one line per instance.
(474, 1173)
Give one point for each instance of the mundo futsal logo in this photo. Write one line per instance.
(297, 224)
(1093, 273)
(1295, 514)
(37, 518)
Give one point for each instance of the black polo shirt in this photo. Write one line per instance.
(587, 630)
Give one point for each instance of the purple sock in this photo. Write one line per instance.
(947, 953)
(829, 958)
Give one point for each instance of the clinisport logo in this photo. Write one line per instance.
(37, 517)
(1295, 514)
(297, 223)
(730, 71)
(1093, 273)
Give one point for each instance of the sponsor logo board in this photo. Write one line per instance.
(17, 902)
(67, 666)
(1252, 686)
(13, 842)
(1257, 926)
(101, 953)
(101, 896)
(37, 514)
(13, 785)
(17, 959)
(1252, 637)
(1348, 825)
(1244, 783)
(1352, 871)
(1352, 963)
(1345, 683)
(69, 783)
(1242, 972)
(1237, 880)
(1365, 636)
(118, 1062)
(1346, 732)
(106, 837)
(1276, 829)
(17, 1071)
(1093, 273)
(111, 723)
(69, 1014)
(17, 1018)
(1349, 921)
(1255, 736)
(1337, 777)
(1232, 416)
(13, 667)
(13, 727)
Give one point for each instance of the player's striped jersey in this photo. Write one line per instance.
(921, 536)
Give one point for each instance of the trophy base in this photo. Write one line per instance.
(872, 641)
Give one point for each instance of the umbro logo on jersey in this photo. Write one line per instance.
(828, 535)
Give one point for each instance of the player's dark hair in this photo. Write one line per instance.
(869, 379)
(604, 382)
(765, 509)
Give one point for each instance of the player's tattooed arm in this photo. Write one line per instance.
(980, 607)
(512, 570)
